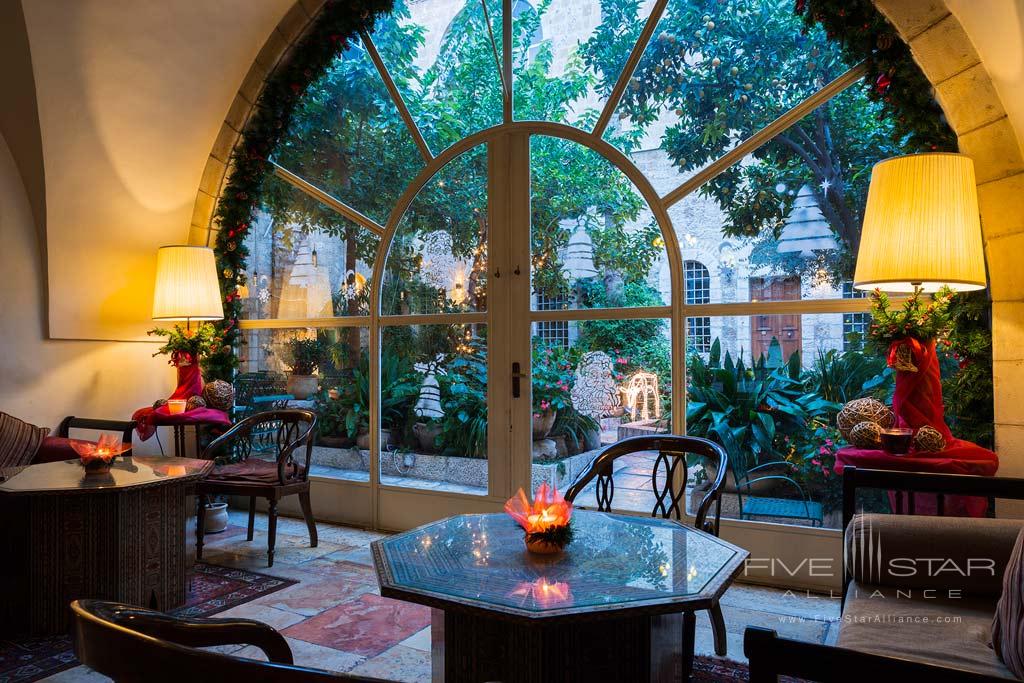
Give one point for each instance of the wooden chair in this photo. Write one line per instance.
(669, 500)
(286, 475)
(132, 644)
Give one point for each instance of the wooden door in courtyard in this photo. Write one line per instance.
(764, 328)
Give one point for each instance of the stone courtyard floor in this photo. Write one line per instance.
(335, 618)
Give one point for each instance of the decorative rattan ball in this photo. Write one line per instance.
(866, 435)
(219, 395)
(159, 402)
(864, 410)
(195, 402)
(929, 439)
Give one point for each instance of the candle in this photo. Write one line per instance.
(176, 406)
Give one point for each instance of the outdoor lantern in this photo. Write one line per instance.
(186, 285)
(921, 226)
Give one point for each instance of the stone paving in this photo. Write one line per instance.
(335, 618)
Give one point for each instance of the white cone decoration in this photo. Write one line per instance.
(307, 288)
(579, 256)
(806, 228)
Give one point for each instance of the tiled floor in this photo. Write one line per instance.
(334, 618)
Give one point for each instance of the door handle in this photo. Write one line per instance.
(516, 376)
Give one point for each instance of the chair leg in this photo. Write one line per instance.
(272, 531)
(718, 629)
(307, 512)
(689, 636)
(200, 523)
(252, 517)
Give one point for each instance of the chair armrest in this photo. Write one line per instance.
(208, 632)
(771, 656)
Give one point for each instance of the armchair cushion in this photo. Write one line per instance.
(1008, 624)
(55, 449)
(254, 471)
(19, 441)
(944, 553)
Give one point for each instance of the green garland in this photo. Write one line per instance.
(331, 34)
(893, 78)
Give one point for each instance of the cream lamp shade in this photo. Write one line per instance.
(186, 285)
(921, 226)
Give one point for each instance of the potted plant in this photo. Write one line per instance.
(552, 378)
(187, 347)
(302, 356)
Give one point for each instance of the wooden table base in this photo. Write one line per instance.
(646, 648)
(124, 545)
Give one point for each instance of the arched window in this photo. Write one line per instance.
(468, 239)
(697, 283)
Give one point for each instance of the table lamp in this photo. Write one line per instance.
(186, 285)
(921, 226)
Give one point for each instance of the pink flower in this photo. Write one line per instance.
(828, 442)
(823, 450)
(817, 462)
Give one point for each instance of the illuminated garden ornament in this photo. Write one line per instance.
(579, 255)
(641, 390)
(806, 229)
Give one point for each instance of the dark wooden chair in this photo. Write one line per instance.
(669, 500)
(133, 644)
(126, 427)
(286, 475)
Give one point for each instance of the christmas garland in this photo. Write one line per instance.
(331, 34)
(893, 78)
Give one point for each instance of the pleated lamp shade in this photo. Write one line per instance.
(921, 226)
(186, 285)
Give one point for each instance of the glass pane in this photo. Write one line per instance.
(784, 223)
(305, 260)
(346, 135)
(336, 390)
(594, 383)
(713, 74)
(768, 389)
(594, 242)
(438, 258)
(445, 66)
(557, 48)
(434, 407)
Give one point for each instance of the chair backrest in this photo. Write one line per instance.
(126, 427)
(132, 644)
(671, 457)
(289, 430)
(249, 385)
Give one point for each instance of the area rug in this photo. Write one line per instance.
(212, 589)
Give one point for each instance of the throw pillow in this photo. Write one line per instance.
(1008, 623)
(19, 441)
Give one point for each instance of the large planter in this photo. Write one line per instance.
(216, 518)
(302, 386)
(387, 438)
(542, 423)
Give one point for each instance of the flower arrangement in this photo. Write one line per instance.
(189, 345)
(921, 318)
(547, 521)
(303, 355)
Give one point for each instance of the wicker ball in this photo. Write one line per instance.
(195, 402)
(929, 439)
(864, 410)
(219, 395)
(866, 435)
(159, 402)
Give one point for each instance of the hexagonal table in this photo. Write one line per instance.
(617, 604)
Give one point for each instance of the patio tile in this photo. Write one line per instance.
(312, 655)
(793, 603)
(365, 626)
(79, 674)
(314, 594)
(271, 616)
(737, 619)
(358, 555)
(399, 663)
(288, 549)
(419, 641)
(704, 642)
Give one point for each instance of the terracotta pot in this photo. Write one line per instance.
(543, 423)
(426, 435)
(302, 386)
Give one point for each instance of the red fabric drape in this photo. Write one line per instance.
(917, 400)
(190, 379)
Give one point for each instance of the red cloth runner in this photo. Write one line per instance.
(962, 457)
(149, 419)
(917, 400)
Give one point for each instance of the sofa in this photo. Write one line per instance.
(22, 443)
(919, 591)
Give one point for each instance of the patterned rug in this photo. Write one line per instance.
(212, 589)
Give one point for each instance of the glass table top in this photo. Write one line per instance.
(613, 561)
(68, 476)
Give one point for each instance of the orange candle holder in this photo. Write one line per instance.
(176, 406)
(546, 522)
(96, 456)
